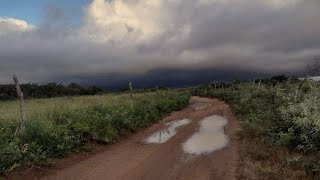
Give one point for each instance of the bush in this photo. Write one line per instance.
(61, 131)
(303, 121)
(275, 120)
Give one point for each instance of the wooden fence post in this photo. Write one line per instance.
(131, 89)
(259, 84)
(253, 82)
(21, 127)
(310, 85)
(233, 87)
(304, 80)
(296, 94)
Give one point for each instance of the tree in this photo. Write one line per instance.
(278, 79)
(312, 69)
(33, 90)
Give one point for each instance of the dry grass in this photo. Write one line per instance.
(34, 107)
(58, 126)
(257, 161)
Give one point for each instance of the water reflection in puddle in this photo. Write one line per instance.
(209, 138)
(165, 135)
(199, 106)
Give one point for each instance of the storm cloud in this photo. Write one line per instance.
(134, 38)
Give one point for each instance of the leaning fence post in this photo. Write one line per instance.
(253, 82)
(310, 85)
(296, 94)
(304, 80)
(131, 89)
(233, 87)
(22, 113)
(259, 84)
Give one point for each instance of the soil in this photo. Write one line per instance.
(132, 159)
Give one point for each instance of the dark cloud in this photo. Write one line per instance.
(185, 42)
(167, 78)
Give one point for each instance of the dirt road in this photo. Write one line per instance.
(132, 159)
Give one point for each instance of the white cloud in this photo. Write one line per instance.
(137, 36)
(206, 2)
(271, 3)
(11, 25)
(282, 3)
(125, 22)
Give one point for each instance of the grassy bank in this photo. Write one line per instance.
(280, 130)
(58, 126)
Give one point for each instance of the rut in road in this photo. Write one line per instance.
(133, 158)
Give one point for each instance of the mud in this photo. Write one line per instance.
(199, 106)
(130, 159)
(164, 135)
(210, 137)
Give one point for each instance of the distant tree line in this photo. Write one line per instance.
(277, 79)
(144, 90)
(271, 81)
(32, 90)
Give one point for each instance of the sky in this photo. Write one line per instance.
(33, 11)
(165, 42)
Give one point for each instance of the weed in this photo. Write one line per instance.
(58, 126)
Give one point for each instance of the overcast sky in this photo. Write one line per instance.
(116, 38)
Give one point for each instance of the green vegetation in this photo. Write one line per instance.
(280, 127)
(58, 126)
(8, 92)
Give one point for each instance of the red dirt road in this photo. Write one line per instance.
(130, 159)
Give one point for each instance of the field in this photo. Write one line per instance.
(280, 127)
(58, 126)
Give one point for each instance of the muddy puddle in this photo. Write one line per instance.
(164, 135)
(199, 106)
(209, 138)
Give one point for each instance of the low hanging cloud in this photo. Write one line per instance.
(11, 25)
(134, 37)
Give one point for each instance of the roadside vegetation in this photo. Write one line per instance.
(279, 134)
(58, 126)
(280, 126)
(49, 90)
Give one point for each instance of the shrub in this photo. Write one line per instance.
(62, 130)
(275, 120)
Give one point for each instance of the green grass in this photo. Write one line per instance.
(10, 109)
(58, 126)
(280, 132)
(279, 135)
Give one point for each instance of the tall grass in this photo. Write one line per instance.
(280, 130)
(58, 126)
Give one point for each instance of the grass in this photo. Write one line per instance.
(280, 132)
(58, 126)
(10, 109)
(279, 135)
